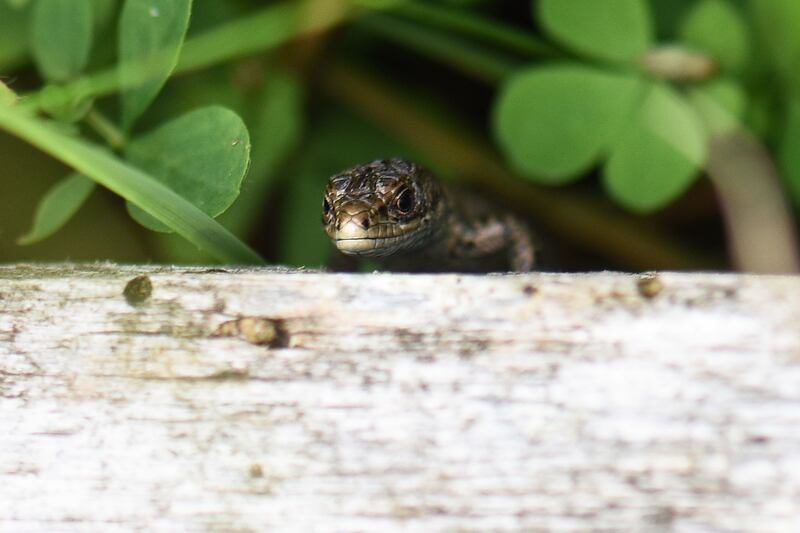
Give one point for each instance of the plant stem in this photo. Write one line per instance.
(111, 134)
(475, 61)
(263, 30)
(762, 236)
(476, 26)
(7, 96)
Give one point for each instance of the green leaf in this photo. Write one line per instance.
(778, 22)
(554, 122)
(13, 35)
(721, 105)
(273, 114)
(202, 156)
(61, 37)
(130, 183)
(717, 28)
(611, 30)
(151, 34)
(789, 150)
(58, 206)
(659, 155)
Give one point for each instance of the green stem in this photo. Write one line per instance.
(262, 30)
(476, 26)
(111, 134)
(276, 24)
(7, 96)
(473, 60)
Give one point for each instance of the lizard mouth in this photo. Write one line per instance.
(374, 240)
(370, 246)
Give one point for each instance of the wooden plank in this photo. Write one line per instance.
(253, 399)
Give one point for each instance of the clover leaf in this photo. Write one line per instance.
(202, 155)
(557, 120)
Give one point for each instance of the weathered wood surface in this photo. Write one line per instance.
(246, 400)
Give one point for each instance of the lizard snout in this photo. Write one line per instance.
(353, 222)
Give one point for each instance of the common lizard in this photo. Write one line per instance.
(399, 214)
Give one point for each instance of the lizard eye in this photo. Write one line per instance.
(405, 201)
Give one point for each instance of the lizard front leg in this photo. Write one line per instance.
(493, 235)
(521, 251)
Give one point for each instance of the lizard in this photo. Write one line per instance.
(399, 214)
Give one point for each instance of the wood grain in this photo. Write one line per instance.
(257, 399)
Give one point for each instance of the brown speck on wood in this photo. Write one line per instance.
(649, 285)
(138, 290)
(230, 374)
(529, 290)
(255, 330)
(256, 470)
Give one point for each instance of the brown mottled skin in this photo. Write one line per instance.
(399, 214)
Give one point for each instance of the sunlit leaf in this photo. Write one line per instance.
(274, 114)
(717, 28)
(58, 206)
(150, 37)
(659, 155)
(721, 105)
(612, 30)
(202, 156)
(61, 37)
(554, 122)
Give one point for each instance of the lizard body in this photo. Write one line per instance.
(398, 213)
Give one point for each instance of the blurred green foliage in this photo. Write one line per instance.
(159, 101)
(61, 37)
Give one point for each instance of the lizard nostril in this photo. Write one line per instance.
(362, 219)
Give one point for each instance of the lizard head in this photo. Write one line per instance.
(383, 207)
